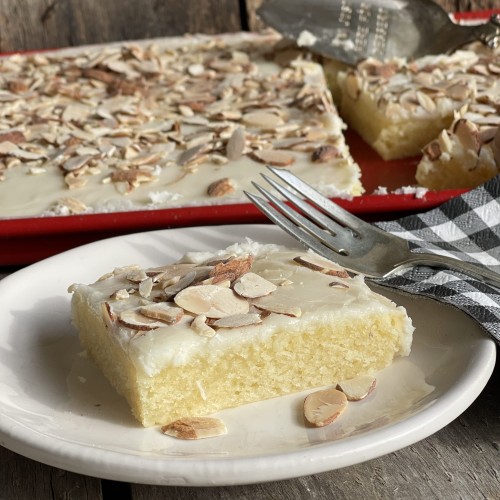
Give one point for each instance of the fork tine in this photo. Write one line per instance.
(316, 215)
(335, 243)
(296, 232)
(338, 213)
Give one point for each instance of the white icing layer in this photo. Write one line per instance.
(298, 287)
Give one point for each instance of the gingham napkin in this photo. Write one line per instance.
(467, 227)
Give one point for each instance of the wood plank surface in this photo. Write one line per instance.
(36, 24)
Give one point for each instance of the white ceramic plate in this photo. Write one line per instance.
(55, 407)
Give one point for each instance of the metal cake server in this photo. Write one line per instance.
(351, 30)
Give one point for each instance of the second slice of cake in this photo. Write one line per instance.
(214, 331)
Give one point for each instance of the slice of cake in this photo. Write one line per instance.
(400, 106)
(465, 155)
(164, 123)
(214, 331)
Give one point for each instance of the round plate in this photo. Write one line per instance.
(56, 407)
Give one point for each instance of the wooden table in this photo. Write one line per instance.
(459, 462)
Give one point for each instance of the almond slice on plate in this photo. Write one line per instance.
(323, 407)
(357, 388)
(195, 428)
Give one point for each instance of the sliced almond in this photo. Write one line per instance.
(108, 314)
(262, 120)
(200, 326)
(175, 286)
(133, 319)
(252, 285)
(426, 102)
(275, 157)
(211, 300)
(136, 276)
(163, 312)
(195, 428)
(338, 284)
(121, 294)
(145, 287)
(238, 320)
(445, 142)
(317, 263)
(236, 144)
(432, 151)
(273, 306)
(232, 269)
(76, 163)
(191, 154)
(323, 407)
(458, 91)
(324, 154)
(357, 388)
(221, 187)
(468, 134)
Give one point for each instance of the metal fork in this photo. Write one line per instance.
(337, 235)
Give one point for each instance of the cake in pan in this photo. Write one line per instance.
(164, 123)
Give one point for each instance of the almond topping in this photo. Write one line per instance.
(357, 388)
(272, 306)
(221, 187)
(108, 314)
(121, 294)
(324, 154)
(163, 312)
(262, 120)
(232, 269)
(174, 286)
(136, 321)
(195, 428)
(317, 263)
(211, 300)
(238, 320)
(338, 284)
(199, 325)
(145, 287)
(432, 151)
(275, 157)
(136, 276)
(467, 133)
(323, 407)
(252, 285)
(236, 144)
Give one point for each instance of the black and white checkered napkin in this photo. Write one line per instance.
(467, 227)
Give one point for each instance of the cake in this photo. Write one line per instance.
(465, 155)
(218, 330)
(164, 123)
(400, 106)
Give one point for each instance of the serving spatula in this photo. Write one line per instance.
(352, 30)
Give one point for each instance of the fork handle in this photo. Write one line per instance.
(474, 270)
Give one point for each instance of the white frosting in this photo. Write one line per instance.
(307, 289)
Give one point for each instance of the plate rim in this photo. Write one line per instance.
(248, 469)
